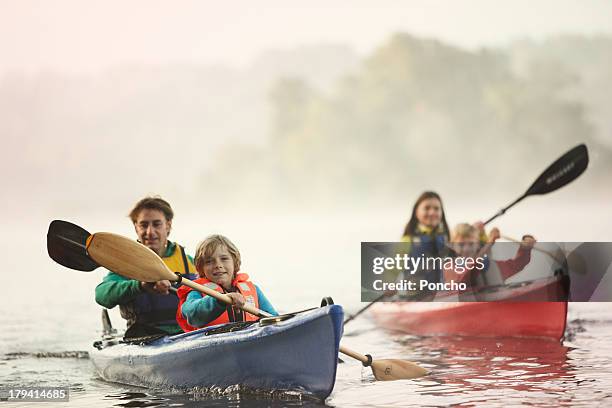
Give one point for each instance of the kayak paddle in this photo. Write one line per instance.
(67, 245)
(135, 261)
(563, 171)
(366, 307)
(387, 369)
(553, 256)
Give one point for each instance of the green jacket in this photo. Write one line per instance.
(116, 290)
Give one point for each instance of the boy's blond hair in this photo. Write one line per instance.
(464, 230)
(207, 247)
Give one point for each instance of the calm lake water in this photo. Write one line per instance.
(49, 321)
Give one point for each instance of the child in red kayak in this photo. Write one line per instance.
(466, 242)
(217, 261)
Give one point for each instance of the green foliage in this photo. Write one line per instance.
(420, 114)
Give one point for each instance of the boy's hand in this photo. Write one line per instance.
(528, 241)
(238, 300)
(494, 235)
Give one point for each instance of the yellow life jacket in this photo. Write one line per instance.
(178, 261)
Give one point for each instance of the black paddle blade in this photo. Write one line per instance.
(66, 246)
(567, 168)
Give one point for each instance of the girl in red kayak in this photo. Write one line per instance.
(217, 261)
(427, 223)
(427, 233)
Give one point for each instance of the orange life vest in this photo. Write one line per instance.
(240, 282)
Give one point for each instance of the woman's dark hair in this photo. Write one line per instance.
(412, 224)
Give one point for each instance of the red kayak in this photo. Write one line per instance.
(516, 315)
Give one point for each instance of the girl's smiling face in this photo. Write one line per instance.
(219, 267)
(429, 212)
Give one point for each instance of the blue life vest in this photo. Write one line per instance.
(429, 245)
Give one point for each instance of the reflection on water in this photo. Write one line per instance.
(484, 371)
(464, 372)
(466, 364)
(135, 399)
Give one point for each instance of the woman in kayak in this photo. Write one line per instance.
(426, 235)
(467, 242)
(217, 261)
(427, 224)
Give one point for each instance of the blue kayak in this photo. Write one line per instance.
(297, 354)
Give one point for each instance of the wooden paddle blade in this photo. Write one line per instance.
(563, 171)
(128, 258)
(66, 244)
(389, 370)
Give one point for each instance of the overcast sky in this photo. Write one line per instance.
(87, 36)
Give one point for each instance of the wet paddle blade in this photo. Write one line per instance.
(127, 258)
(66, 245)
(387, 370)
(390, 370)
(563, 171)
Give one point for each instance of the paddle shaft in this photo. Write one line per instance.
(366, 307)
(503, 210)
(220, 296)
(354, 354)
(223, 298)
(507, 238)
(260, 313)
